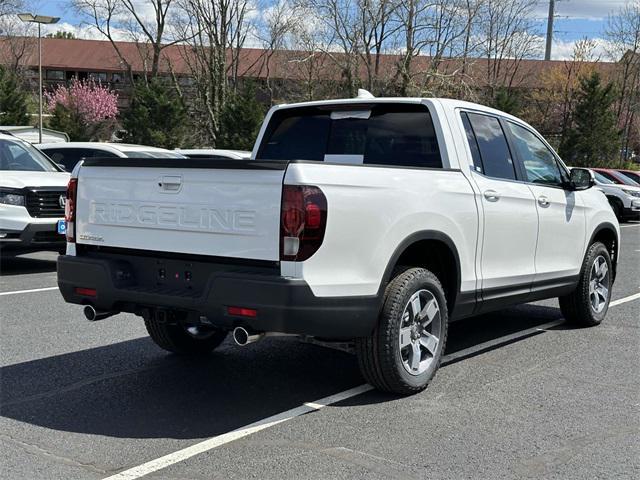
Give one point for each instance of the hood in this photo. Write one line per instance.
(21, 179)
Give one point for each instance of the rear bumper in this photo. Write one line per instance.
(283, 305)
(633, 211)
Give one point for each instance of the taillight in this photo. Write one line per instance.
(303, 219)
(70, 210)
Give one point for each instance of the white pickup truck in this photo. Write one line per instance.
(377, 221)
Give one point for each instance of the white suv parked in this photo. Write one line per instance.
(377, 220)
(32, 199)
(624, 199)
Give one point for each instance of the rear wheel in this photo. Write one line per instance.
(405, 349)
(183, 338)
(588, 304)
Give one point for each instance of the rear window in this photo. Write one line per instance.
(395, 135)
(69, 157)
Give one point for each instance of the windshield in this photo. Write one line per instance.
(635, 177)
(152, 154)
(602, 179)
(17, 155)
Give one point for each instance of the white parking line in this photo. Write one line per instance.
(624, 300)
(629, 226)
(29, 291)
(214, 442)
(184, 454)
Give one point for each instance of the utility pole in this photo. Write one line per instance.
(547, 50)
(40, 20)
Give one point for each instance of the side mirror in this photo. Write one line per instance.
(581, 179)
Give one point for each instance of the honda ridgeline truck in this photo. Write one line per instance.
(372, 220)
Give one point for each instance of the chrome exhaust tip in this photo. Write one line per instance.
(94, 315)
(242, 336)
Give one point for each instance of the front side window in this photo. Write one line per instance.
(394, 135)
(539, 162)
(492, 145)
(22, 156)
(634, 177)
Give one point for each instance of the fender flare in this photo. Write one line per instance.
(608, 226)
(410, 240)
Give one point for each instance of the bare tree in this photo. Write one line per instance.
(16, 38)
(432, 30)
(214, 32)
(623, 35)
(506, 40)
(146, 23)
(276, 34)
(308, 63)
(377, 24)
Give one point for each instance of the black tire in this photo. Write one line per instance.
(577, 307)
(617, 208)
(174, 338)
(380, 356)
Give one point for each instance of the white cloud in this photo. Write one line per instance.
(563, 50)
(580, 9)
(85, 31)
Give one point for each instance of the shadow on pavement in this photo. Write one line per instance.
(42, 262)
(133, 390)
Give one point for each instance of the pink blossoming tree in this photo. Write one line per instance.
(85, 110)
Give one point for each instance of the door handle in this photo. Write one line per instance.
(170, 183)
(491, 195)
(542, 201)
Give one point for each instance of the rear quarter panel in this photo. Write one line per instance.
(371, 210)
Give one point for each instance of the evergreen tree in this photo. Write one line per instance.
(67, 120)
(157, 116)
(13, 99)
(506, 100)
(240, 120)
(593, 139)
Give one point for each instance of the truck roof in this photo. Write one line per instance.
(446, 102)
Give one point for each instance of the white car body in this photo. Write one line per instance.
(31, 224)
(69, 154)
(214, 153)
(625, 199)
(510, 241)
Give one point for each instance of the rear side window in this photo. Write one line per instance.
(395, 135)
(492, 147)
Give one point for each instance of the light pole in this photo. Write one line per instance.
(39, 19)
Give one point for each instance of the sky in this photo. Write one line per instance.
(575, 19)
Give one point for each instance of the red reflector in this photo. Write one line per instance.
(314, 216)
(242, 312)
(87, 292)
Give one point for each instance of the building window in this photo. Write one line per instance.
(98, 76)
(116, 77)
(55, 74)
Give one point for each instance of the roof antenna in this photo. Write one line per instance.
(362, 93)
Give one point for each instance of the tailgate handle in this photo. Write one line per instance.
(170, 183)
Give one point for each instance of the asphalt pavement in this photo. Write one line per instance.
(521, 395)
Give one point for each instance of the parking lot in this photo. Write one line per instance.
(521, 395)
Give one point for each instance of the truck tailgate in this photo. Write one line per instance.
(206, 207)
